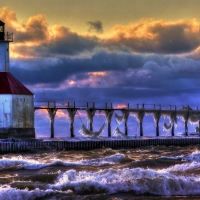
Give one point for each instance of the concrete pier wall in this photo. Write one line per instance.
(19, 146)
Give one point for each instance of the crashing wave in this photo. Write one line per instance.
(137, 180)
(20, 163)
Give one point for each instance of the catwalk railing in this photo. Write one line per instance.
(186, 113)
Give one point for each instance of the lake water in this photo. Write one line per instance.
(154, 172)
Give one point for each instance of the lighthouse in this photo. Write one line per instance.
(16, 101)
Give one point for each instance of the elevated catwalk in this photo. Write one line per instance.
(185, 113)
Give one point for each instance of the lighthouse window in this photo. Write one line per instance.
(1, 28)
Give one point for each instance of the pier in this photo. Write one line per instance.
(186, 113)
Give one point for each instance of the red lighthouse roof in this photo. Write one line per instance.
(10, 85)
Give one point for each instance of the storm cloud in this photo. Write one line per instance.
(150, 36)
(96, 26)
(139, 62)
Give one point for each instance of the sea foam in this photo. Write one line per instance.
(137, 180)
(8, 193)
(22, 163)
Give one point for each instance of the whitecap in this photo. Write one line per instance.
(8, 193)
(22, 163)
(140, 181)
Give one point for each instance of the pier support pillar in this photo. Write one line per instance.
(186, 128)
(157, 115)
(71, 129)
(125, 128)
(90, 114)
(91, 125)
(141, 129)
(71, 115)
(199, 126)
(186, 121)
(172, 129)
(125, 114)
(109, 114)
(157, 128)
(52, 113)
(173, 119)
(140, 116)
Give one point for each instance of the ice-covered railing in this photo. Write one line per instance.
(121, 113)
(99, 106)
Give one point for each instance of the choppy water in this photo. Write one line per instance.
(155, 172)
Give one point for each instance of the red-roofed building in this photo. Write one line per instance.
(16, 101)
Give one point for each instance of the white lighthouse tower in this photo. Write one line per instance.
(16, 101)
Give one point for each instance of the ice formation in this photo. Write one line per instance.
(90, 114)
(167, 127)
(139, 115)
(118, 132)
(124, 117)
(71, 114)
(108, 114)
(86, 132)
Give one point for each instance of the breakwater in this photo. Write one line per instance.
(20, 146)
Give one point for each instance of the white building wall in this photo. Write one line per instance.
(5, 111)
(16, 111)
(4, 56)
(22, 111)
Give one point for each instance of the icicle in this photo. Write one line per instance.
(125, 114)
(139, 115)
(118, 132)
(108, 114)
(118, 118)
(156, 116)
(185, 108)
(171, 115)
(167, 127)
(194, 117)
(86, 132)
(71, 114)
(90, 114)
(124, 117)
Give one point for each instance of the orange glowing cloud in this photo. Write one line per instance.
(97, 73)
(61, 114)
(72, 82)
(94, 79)
(9, 17)
(119, 106)
(158, 36)
(35, 38)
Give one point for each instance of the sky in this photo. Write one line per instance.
(113, 51)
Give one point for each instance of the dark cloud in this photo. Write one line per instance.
(126, 78)
(152, 36)
(107, 70)
(56, 70)
(34, 30)
(66, 42)
(119, 96)
(95, 26)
